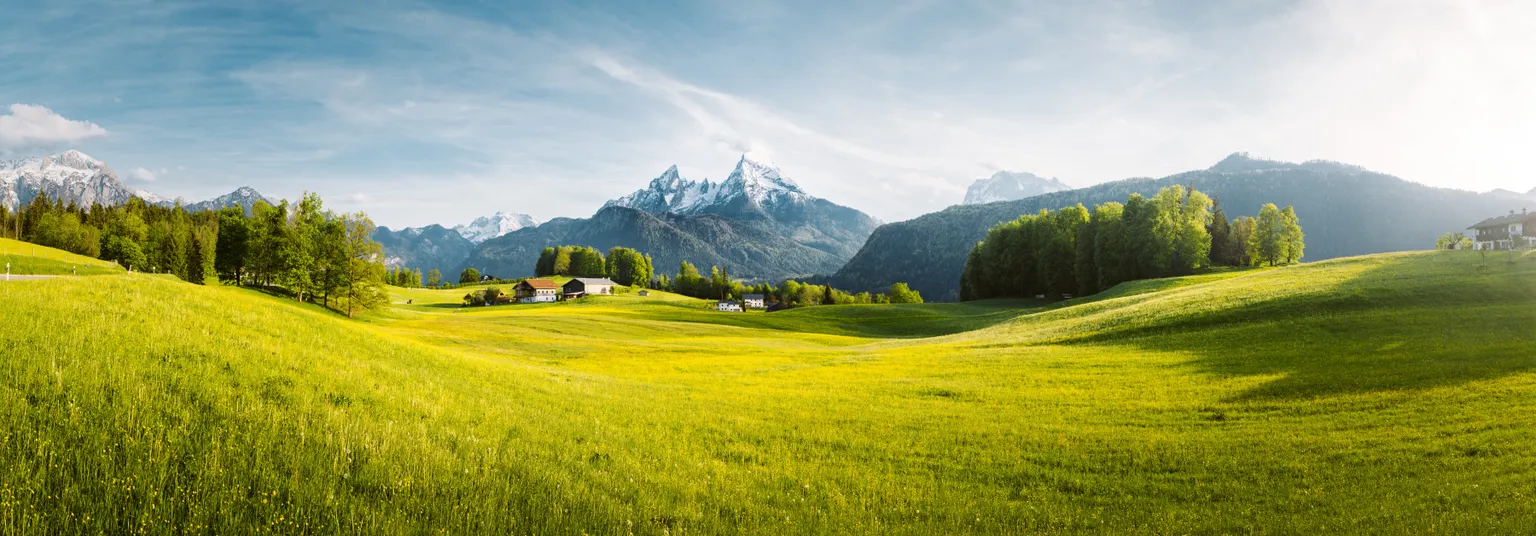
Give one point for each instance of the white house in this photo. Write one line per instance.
(754, 301)
(536, 291)
(728, 306)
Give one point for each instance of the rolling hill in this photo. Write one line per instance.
(1387, 394)
(1345, 210)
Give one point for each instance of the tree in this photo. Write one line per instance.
(365, 271)
(1449, 241)
(546, 264)
(1268, 241)
(1220, 230)
(628, 267)
(901, 293)
(1111, 249)
(561, 265)
(434, 278)
(334, 254)
(201, 252)
(234, 243)
(1239, 243)
(469, 275)
(1291, 236)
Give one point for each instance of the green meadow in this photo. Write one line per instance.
(1383, 394)
(32, 259)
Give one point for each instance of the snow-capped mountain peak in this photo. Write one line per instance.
(501, 223)
(751, 183)
(71, 175)
(758, 179)
(1009, 186)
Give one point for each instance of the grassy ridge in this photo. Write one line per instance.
(32, 259)
(1379, 394)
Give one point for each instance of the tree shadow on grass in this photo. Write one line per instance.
(1407, 324)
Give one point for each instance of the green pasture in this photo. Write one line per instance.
(1382, 394)
(32, 259)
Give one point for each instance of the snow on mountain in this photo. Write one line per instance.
(1009, 186)
(244, 197)
(1531, 193)
(484, 228)
(752, 185)
(70, 175)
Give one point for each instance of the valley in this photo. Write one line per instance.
(1353, 395)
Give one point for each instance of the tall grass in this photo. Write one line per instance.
(1380, 394)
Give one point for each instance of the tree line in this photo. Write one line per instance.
(719, 285)
(1077, 251)
(624, 266)
(139, 236)
(301, 249)
(633, 268)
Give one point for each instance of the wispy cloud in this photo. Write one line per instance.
(29, 126)
(144, 175)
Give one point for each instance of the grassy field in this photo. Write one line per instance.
(1383, 394)
(32, 259)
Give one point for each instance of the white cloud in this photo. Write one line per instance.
(29, 126)
(141, 174)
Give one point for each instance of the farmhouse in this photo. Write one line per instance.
(645, 293)
(1505, 232)
(536, 291)
(753, 301)
(587, 286)
(728, 306)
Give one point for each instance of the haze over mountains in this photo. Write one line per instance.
(1345, 210)
(1009, 186)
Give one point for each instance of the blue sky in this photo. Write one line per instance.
(440, 112)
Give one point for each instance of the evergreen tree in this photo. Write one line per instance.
(234, 243)
(1221, 233)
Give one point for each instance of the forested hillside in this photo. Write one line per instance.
(1347, 211)
(753, 249)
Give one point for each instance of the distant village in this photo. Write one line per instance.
(538, 290)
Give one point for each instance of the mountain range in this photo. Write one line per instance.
(763, 226)
(1345, 210)
(74, 177)
(1009, 186)
(757, 223)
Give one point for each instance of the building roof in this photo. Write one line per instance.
(751, 296)
(540, 283)
(1501, 221)
(593, 281)
(727, 302)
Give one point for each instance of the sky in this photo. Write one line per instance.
(421, 113)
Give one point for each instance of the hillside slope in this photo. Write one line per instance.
(1345, 210)
(25, 258)
(1388, 394)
